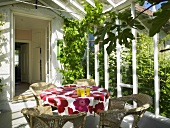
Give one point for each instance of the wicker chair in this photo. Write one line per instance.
(118, 109)
(42, 117)
(37, 88)
(85, 82)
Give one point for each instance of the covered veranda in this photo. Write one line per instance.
(76, 10)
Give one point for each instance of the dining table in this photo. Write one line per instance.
(67, 100)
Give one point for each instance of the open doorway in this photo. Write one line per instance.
(21, 67)
(32, 40)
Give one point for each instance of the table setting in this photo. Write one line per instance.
(72, 99)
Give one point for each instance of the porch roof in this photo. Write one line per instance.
(74, 7)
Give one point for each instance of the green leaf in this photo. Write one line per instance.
(106, 41)
(110, 47)
(124, 35)
(159, 21)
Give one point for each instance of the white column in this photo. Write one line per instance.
(156, 78)
(118, 48)
(96, 61)
(134, 32)
(96, 64)
(12, 57)
(106, 67)
(88, 72)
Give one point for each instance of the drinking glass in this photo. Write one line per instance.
(88, 91)
(82, 91)
(78, 92)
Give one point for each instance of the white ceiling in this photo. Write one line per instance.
(28, 23)
(74, 8)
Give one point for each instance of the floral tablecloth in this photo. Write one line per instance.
(68, 102)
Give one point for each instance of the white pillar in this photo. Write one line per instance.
(96, 64)
(118, 47)
(134, 32)
(12, 57)
(156, 78)
(88, 72)
(106, 67)
(96, 61)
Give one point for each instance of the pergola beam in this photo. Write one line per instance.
(49, 6)
(77, 5)
(91, 3)
(111, 2)
(73, 13)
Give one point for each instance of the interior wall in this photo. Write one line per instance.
(23, 34)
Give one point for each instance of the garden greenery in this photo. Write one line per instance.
(75, 41)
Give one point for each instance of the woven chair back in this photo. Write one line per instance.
(89, 82)
(42, 117)
(37, 88)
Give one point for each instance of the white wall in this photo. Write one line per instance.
(56, 35)
(5, 53)
(57, 24)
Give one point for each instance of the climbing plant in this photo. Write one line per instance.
(74, 44)
(72, 51)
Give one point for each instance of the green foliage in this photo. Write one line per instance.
(123, 30)
(94, 17)
(161, 18)
(145, 71)
(72, 51)
(101, 66)
(74, 44)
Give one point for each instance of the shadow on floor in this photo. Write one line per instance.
(21, 88)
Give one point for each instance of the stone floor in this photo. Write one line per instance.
(10, 115)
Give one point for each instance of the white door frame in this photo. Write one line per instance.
(48, 49)
(29, 47)
(12, 48)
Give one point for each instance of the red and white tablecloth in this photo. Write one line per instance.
(68, 102)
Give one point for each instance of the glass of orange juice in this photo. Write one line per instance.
(78, 92)
(82, 92)
(88, 91)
